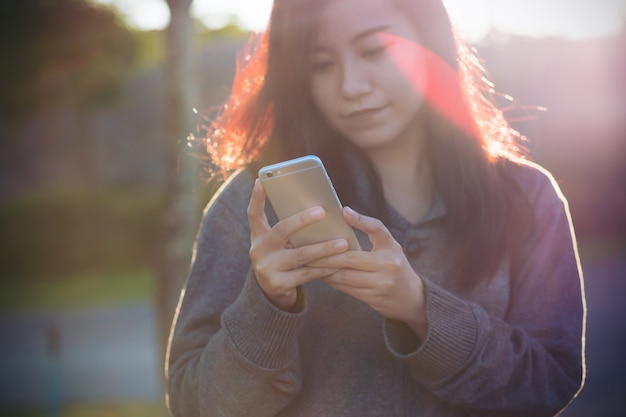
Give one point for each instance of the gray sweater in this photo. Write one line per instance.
(510, 347)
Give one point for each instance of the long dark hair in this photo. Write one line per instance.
(270, 117)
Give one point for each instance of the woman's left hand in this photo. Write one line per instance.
(382, 278)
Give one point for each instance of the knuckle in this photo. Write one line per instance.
(397, 261)
(253, 206)
(341, 276)
(301, 256)
(282, 230)
(256, 251)
(250, 208)
(393, 263)
(262, 269)
(354, 259)
(385, 286)
(327, 272)
(387, 283)
(377, 223)
(306, 273)
(371, 222)
(278, 287)
(253, 251)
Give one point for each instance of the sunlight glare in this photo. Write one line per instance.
(471, 19)
(570, 18)
(574, 19)
(253, 15)
(143, 14)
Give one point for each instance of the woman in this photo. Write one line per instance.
(467, 298)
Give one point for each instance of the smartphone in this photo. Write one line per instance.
(301, 183)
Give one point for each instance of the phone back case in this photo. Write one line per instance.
(299, 184)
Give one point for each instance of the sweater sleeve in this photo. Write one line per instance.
(531, 361)
(231, 352)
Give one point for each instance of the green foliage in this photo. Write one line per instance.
(109, 287)
(52, 234)
(231, 31)
(149, 46)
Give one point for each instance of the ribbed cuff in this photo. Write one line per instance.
(451, 338)
(264, 334)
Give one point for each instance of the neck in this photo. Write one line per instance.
(406, 180)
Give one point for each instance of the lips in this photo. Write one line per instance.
(364, 113)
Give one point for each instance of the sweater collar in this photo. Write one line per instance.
(365, 195)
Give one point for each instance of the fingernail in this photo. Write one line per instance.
(316, 212)
(341, 244)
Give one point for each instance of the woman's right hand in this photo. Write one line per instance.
(278, 267)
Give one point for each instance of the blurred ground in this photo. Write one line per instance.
(102, 355)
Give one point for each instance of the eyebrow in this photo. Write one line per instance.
(359, 36)
(369, 32)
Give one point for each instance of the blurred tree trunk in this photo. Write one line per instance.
(181, 213)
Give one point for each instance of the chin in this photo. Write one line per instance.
(371, 141)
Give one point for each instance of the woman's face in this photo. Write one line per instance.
(368, 72)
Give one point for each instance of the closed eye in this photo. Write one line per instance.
(374, 52)
(323, 65)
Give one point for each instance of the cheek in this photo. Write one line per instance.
(322, 95)
(413, 77)
(406, 85)
(410, 62)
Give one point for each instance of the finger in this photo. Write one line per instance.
(285, 228)
(374, 228)
(347, 279)
(357, 260)
(256, 210)
(308, 255)
(306, 274)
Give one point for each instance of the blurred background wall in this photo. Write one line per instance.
(92, 201)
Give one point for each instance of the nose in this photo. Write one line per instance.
(355, 82)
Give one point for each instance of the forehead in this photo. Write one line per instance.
(341, 20)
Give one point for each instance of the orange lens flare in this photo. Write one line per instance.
(434, 78)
